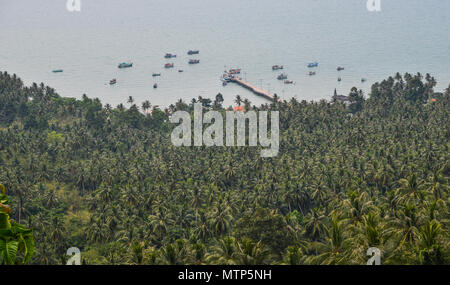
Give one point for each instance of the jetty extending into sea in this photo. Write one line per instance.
(258, 91)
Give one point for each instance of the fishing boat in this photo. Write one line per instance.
(169, 55)
(125, 65)
(58, 71)
(156, 74)
(227, 77)
(282, 76)
(194, 61)
(288, 82)
(363, 80)
(169, 65)
(313, 64)
(339, 79)
(340, 68)
(155, 86)
(112, 81)
(191, 52)
(181, 70)
(235, 71)
(277, 67)
(311, 73)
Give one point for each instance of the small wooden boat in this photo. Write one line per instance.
(155, 86)
(311, 73)
(282, 76)
(277, 67)
(363, 80)
(226, 77)
(288, 82)
(180, 70)
(191, 52)
(125, 65)
(235, 71)
(339, 79)
(313, 64)
(194, 61)
(156, 74)
(169, 55)
(58, 71)
(340, 68)
(169, 65)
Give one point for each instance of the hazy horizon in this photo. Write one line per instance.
(39, 36)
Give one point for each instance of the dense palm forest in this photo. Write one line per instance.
(108, 180)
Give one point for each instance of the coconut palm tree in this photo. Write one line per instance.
(315, 226)
(333, 250)
(431, 250)
(238, 100)
(251, 253)
(130, 100)
(222, 252)
(146, 105)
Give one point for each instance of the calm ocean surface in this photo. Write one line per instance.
(37, 36)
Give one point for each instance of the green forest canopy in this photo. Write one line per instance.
(108, 180)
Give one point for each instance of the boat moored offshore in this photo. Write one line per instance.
(156, 74)
(313, 64)
(191, 52)
(226, 78)
(58, 71)
(194, 61)
(282, 76)
(169, 65)
(277, 67)
(340, 68)
(112, 81)
(125, 65)
(169, 55)
(235, 71)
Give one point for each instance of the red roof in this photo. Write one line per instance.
(239, 108)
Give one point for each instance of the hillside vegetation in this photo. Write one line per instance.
(109, 181)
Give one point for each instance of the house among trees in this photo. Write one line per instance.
(340, 98)
(239, 109)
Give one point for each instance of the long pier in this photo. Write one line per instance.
(253, 88)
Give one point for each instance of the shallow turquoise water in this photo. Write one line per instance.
(38, 36)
